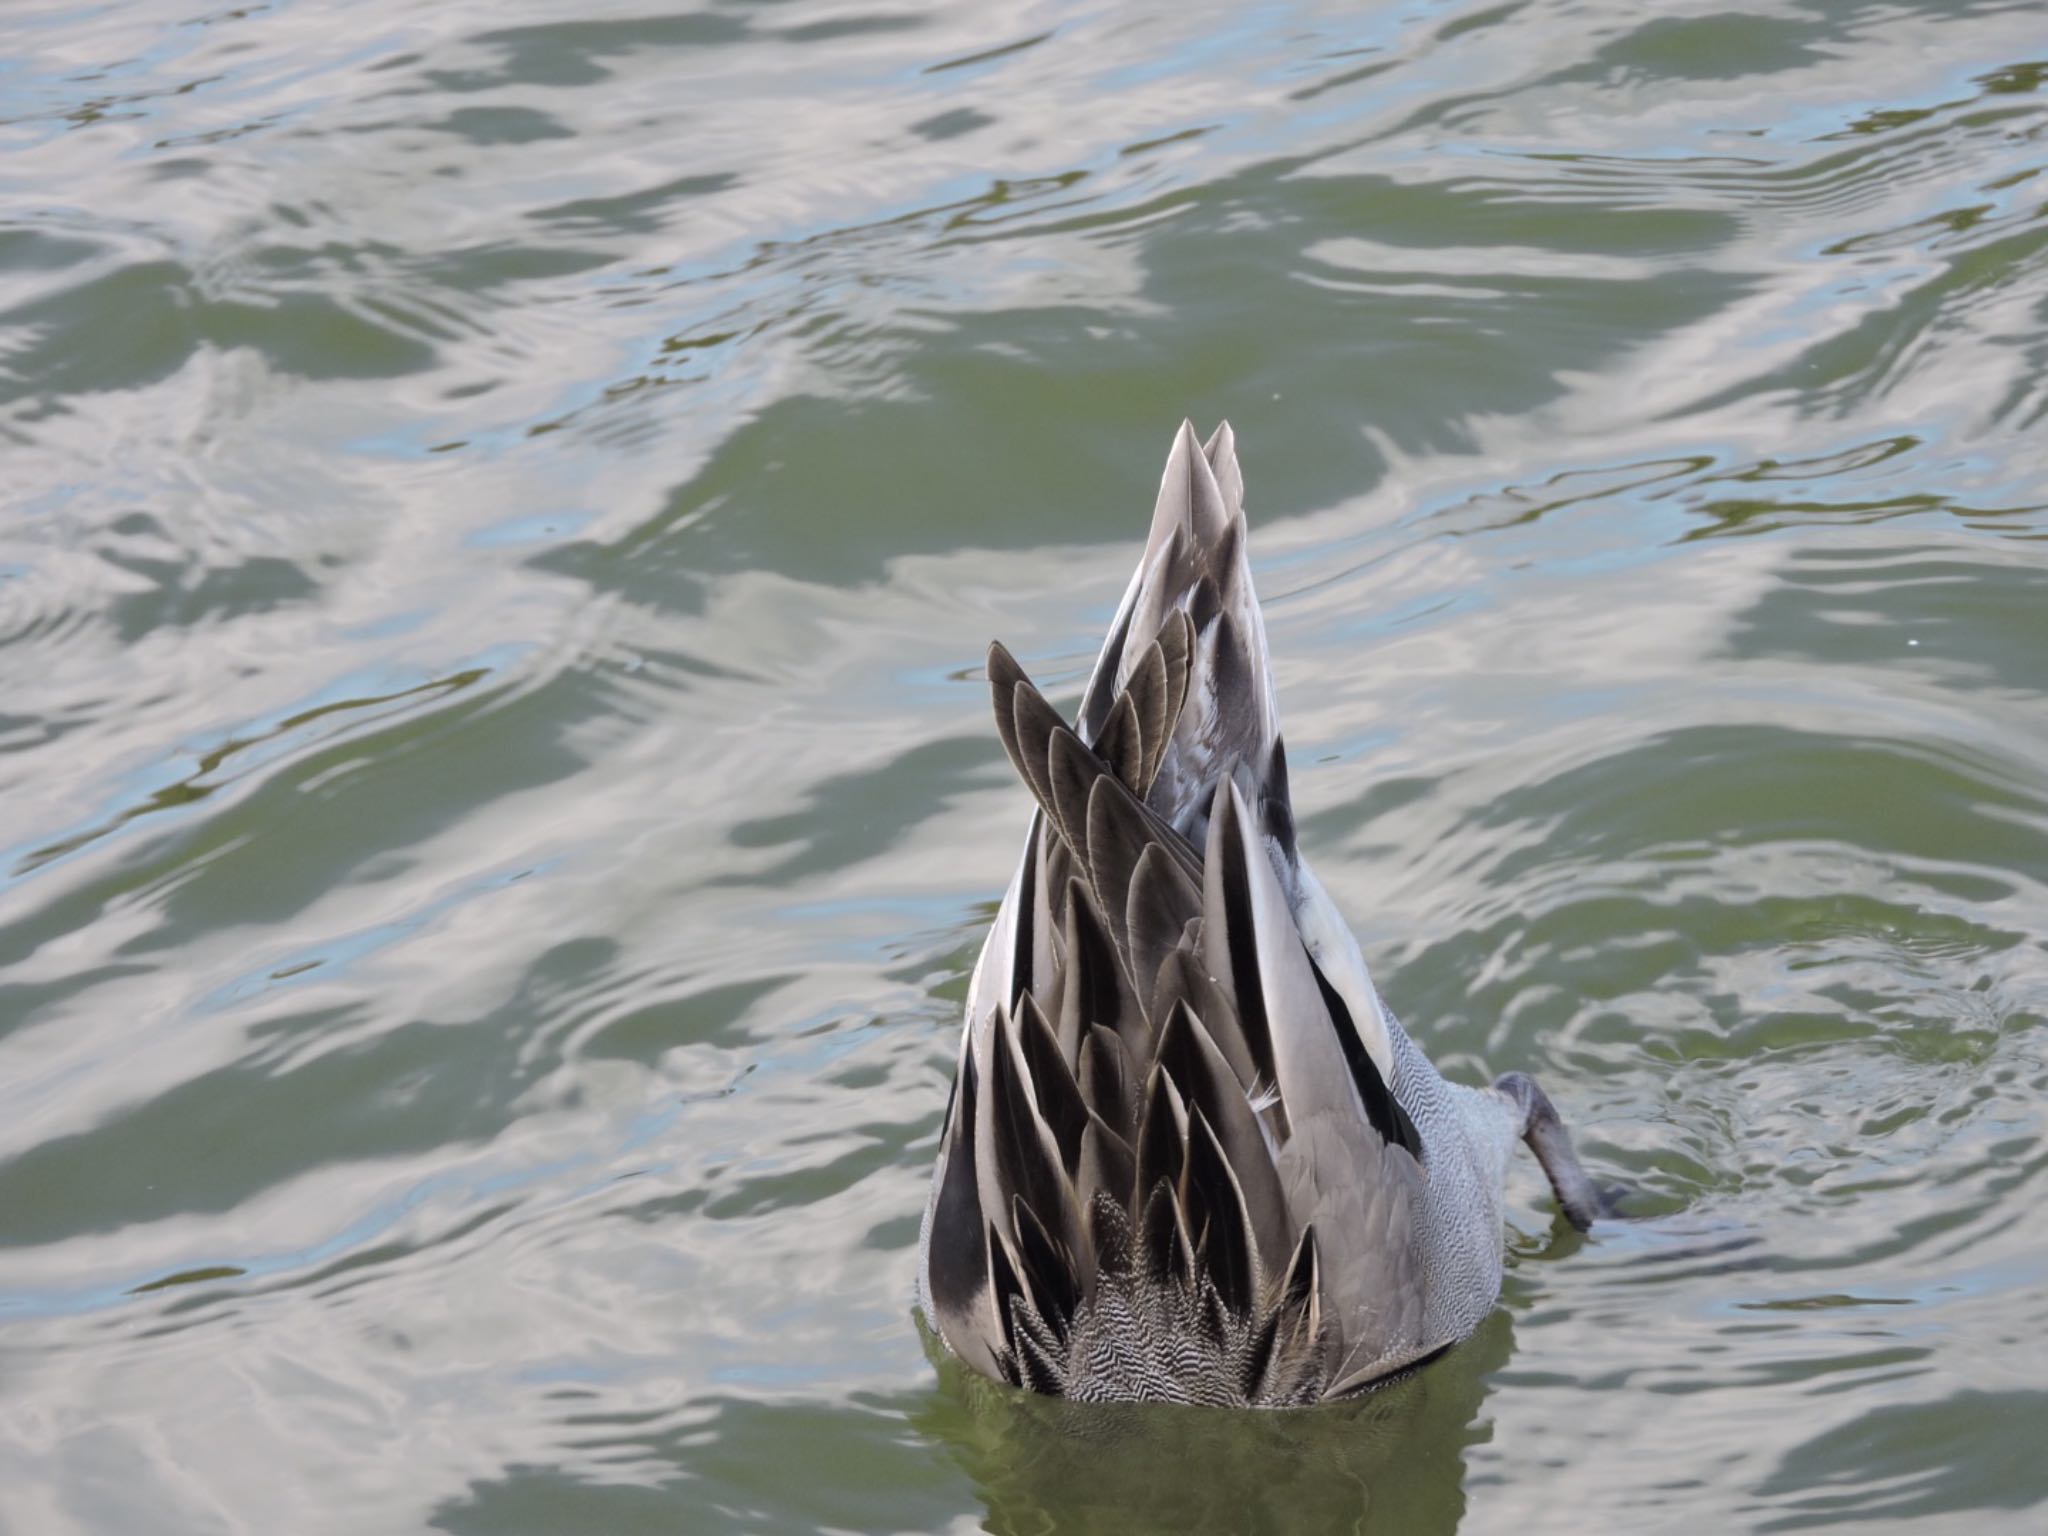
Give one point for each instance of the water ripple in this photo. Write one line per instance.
(497, 806)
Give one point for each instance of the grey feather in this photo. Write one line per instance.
(1121, 743)
(1158, 906)
(1193, 1060)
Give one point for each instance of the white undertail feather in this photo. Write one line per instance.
(1189, 1155)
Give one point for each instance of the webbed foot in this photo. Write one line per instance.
(1582, 1200)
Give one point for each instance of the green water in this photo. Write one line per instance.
(504, 509)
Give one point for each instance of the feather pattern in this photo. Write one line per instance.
(1189, 1155)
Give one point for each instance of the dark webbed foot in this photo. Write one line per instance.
(1581, 1198)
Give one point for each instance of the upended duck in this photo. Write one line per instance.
(1190, 1156)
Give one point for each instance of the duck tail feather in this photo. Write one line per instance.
(1254, 949)
(1161, 1146)
(1191, 1058)
(1058, 1096)
(956, 1266)
(1161, 901)
(1107, 1083)
(1108, 1166)
(1093, 988)
(1216, 1209)
(1200, 490)
(1017, 1156)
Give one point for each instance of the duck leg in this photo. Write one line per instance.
(1581, 1198)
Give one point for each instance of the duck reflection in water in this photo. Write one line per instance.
(1389, 1460)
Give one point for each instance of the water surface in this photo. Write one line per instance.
(505, 508)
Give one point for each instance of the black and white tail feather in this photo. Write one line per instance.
(1189, 1156)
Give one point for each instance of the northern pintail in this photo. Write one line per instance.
(1190, 1156)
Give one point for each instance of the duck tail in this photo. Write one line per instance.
(1195, 563)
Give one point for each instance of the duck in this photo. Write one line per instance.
(1190, 1156)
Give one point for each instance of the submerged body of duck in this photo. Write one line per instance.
(1190, 1156)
